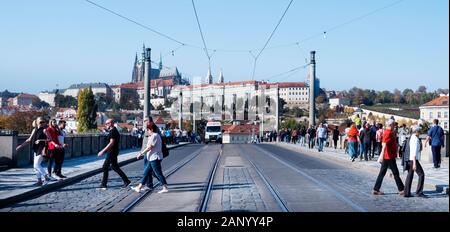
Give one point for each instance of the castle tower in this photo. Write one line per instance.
(209, 77)
(221, 79)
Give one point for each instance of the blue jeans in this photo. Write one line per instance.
(149, 180)
(321, 142)
(361, 149)
(153, 167)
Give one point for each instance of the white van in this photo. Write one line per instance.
(213, 132)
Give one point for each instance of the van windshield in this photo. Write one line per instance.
(213, 129)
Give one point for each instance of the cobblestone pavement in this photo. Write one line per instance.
(84, 195)
(357, 184)
(434, 178)
(237, 187)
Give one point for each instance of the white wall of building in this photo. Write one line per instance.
(429, 113)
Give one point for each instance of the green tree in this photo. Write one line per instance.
(65, 101)
(87, 111)
(40, 104)
(103, 101)
(130, 101)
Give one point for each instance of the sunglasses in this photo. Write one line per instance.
(41, 122)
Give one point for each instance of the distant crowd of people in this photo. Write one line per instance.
(368, 140)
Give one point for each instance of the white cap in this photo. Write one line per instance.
(389, 122)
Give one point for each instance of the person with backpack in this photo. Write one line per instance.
(153, 151)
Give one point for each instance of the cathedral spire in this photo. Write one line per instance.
(209, 77)
(160, 62)
(221, 79)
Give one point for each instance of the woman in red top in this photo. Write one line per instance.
(389, 153)
(53, 144)
(353, 140)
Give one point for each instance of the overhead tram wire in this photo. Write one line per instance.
(252, 50)
(324, 32)
(268, 40)
(137, 23)
(284, 73)
(201, 34)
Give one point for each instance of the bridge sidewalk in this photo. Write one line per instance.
(434, 178)
(16, 184)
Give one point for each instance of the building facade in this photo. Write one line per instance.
(338, 102)
(436, 109)
(48, 97)
(295, 94)
(24, 99)
(251, 101)
(103, 88)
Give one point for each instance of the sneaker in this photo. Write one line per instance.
(421, 195)
(407, 195)
(51, 178)
(61, 176)
(39, 183)
(353, 159)
(102, 187)
(401, 193)
(377, 192)
(145, 188)
(125, 185)
(136, 189)
(163, 191)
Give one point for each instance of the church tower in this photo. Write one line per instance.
(209, 77)
(221, 79)
(135, 73)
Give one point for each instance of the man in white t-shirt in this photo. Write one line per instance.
(414, 165)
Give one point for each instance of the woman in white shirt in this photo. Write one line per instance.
(414, 157)
(154, 155)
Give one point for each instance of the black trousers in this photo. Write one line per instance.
(391, 164)
(111, 160)
(409, 178)
(55, 155)
(335, 143)
(374, 147)
(367, 150)
(436, 151)
(59, 159)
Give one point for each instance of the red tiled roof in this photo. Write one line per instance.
(159, 120)
(240, 129)
(26, 95)
(156, 82)
(260, 83)
(220, 84)
(64, 109)
(291, 84)
(440, 101)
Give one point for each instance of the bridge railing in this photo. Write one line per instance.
(78, 145)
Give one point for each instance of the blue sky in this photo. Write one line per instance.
(50, 42)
